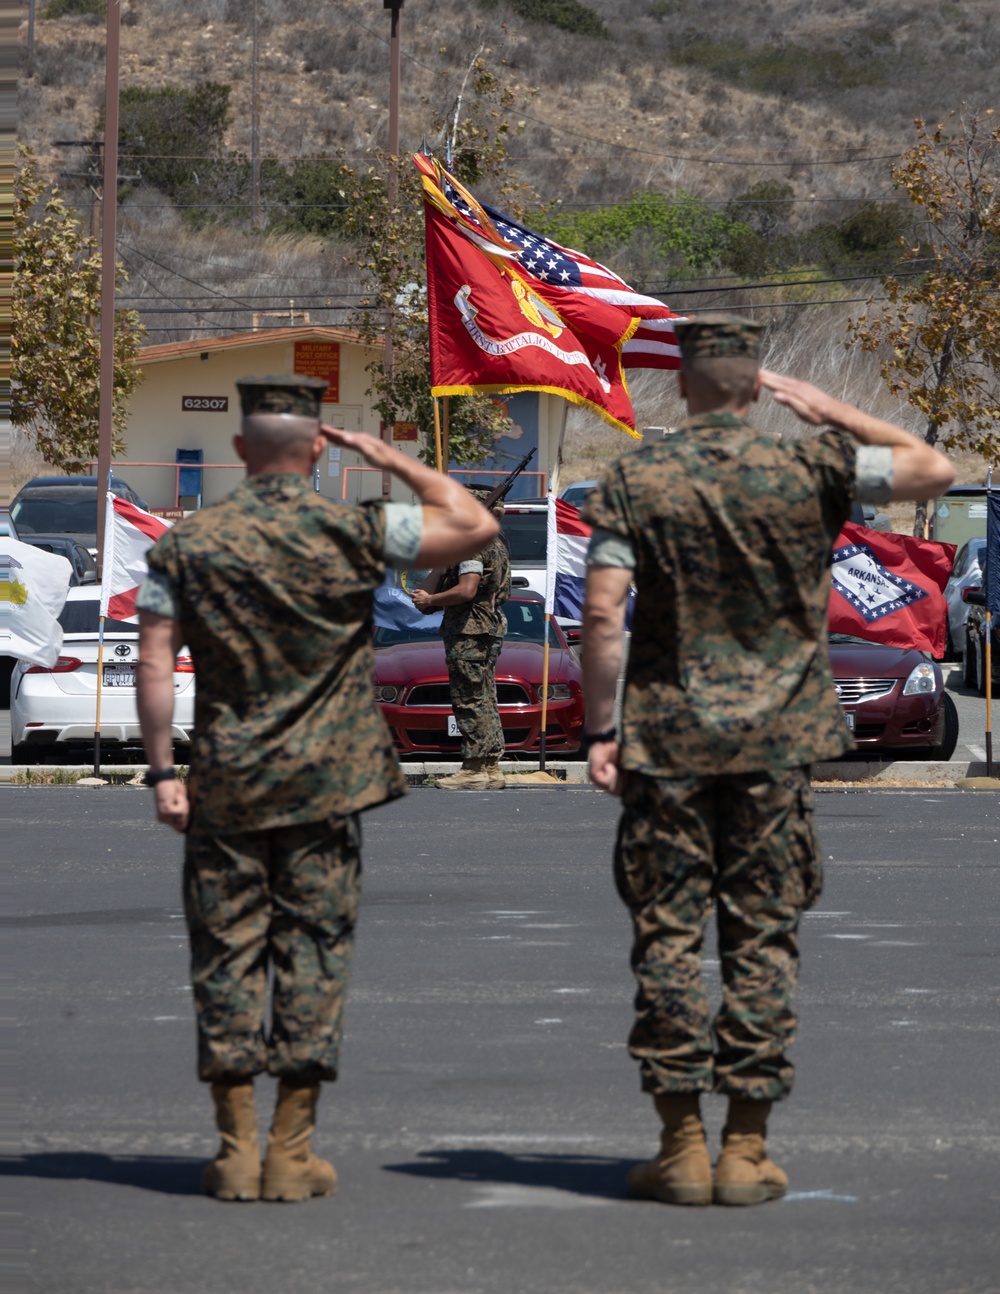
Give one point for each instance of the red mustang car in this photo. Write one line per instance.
(411, 685)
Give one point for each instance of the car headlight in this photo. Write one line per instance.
(558, 692)
(923, 678)
(383, 693)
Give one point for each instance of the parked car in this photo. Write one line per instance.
(53, 710)
(966, 573)
(525, 527)
(411, 686)
(866, 514)
(577, 492)
(974, 659)
(893, 698)
(65, 506)
(81, 559)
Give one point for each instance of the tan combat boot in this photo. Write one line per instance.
(744, 1174)
(291, 1170)
(682, 1171)
(470, 777)
(234, 1174)
(497, 781)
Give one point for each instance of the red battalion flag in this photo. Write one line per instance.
(888, 589)
(129, 534)
(512, 311)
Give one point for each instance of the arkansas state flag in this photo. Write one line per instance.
(494, 329)
(888, 589)
(129, 534)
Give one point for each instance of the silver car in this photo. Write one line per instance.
(966, 573)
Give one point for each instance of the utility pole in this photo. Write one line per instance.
(109, 212)
(392, 190)
(255, 124)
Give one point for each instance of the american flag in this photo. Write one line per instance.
(651, 345)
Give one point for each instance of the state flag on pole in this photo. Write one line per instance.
(888, 588)
(33, 588)
(509, 310)
(129, 534)
(566, 564)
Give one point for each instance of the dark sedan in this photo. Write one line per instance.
(64, 505)
(81, 562)
(893, 698)
(411, 685)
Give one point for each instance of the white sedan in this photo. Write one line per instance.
(54, 710)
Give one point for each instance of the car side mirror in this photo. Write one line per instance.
(88, 577)
(974, 595)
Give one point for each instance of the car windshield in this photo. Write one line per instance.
(84, 617)
(57, 515)
(849, 638)
(526, 537)
(525, 623)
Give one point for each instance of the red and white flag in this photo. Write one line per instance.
(129, 534)
(888, 588)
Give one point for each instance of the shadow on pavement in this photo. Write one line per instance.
(168, 1174)
(594, 1175)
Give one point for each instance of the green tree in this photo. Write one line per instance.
(390, 255)
(172, 138)
(56, 354)
(679, 233)
(940, 330)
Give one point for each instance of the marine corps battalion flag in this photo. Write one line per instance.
(511, 311)
(129, 534)
(888, 588)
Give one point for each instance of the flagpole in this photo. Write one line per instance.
(107, 574)
(437, 433)
(989, 635)
(545, 695)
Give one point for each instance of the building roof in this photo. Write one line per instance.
(245, 341)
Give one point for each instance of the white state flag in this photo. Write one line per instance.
(33, 588)
(129, 534)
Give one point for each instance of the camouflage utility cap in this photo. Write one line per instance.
(718, 336)
(281, 393)
(482, 492)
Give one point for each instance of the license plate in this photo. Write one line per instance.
(453, 728)
(119, 676)
(849, 716)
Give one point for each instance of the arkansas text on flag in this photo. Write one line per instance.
(510, 311)
(33, 588)
(887, 588)
(129, 534)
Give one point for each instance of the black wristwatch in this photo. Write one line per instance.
(161, 775)
(589, 739)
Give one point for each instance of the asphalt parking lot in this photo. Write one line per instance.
(488, 1110)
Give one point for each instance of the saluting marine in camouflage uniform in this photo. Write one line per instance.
(471, 594)
(729, 697)
(272, 591)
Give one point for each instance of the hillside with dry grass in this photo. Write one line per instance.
(684, 97)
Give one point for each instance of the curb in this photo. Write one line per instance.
(859, 773)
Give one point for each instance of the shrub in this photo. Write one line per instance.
(568, 15)
(76, 8)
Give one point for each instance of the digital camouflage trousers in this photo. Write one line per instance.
(282, 903)
(472, 662)
(745, 845)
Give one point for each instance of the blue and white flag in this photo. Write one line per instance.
(394, 609)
